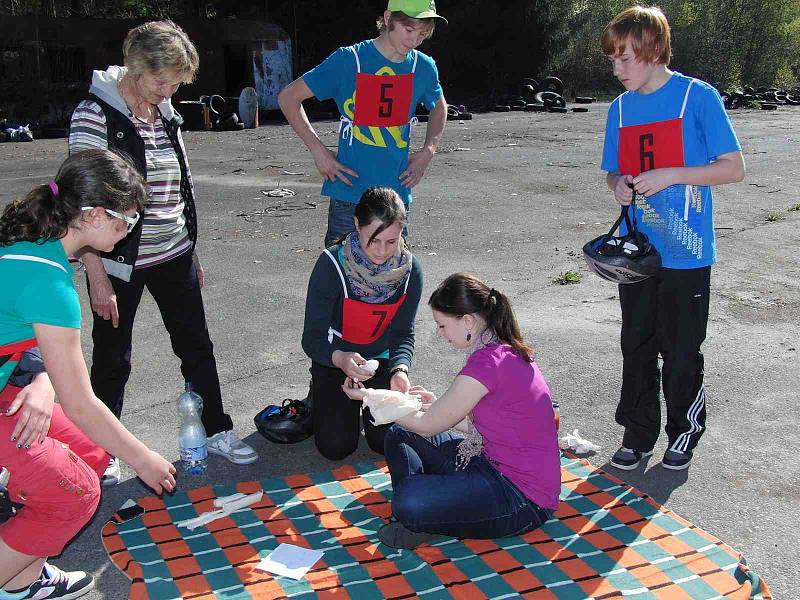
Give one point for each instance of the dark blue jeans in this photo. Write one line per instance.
(340, 220)
(430, 495)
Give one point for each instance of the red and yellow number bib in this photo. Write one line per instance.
(381, 100)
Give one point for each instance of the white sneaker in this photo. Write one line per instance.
(228, 444)
(113, 474)
(54, 583)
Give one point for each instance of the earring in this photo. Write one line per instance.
(469, 336)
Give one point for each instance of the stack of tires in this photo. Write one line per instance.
(765, 98)
(455, 112)
(210, 112)
(546, 95)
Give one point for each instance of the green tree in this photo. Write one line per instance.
(726, 42)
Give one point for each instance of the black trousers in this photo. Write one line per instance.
(667, 315)
(175, 289)
(337, 418)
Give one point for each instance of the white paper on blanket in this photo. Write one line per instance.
(229, 505)
(575, 442)
(387, 406)
(289, 560)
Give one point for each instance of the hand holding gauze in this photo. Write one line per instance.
(387, 406)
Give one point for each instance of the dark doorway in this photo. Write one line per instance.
(238, 68)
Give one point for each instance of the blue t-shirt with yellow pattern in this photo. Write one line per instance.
(378, 154)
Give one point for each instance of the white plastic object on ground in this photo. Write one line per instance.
(575, 442)
(387, 406)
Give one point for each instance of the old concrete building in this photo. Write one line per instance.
(46, 63)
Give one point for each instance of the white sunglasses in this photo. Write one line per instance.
(131, 221)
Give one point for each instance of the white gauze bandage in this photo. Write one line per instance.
(387, 406)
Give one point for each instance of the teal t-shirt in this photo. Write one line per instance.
(378, 154)
(34, 291)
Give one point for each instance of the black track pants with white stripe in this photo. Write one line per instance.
(664, 315)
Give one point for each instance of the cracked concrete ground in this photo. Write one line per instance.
(511, 197)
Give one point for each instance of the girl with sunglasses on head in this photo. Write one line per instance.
(55, 453)
(503, 478)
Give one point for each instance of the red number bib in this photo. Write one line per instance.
(383, 100)
(13, 352)
(650, 146)
(362, 322)
(656, 145)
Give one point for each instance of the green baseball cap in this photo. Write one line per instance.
(416, 9)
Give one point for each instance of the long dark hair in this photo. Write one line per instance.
(89, 178)
(383, 204)
(463, 294)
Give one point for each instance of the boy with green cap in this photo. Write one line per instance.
(376, 84)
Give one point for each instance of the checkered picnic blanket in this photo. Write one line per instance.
(607, 540)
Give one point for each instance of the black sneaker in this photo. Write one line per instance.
(627, 459)
(396, 535)
(54, 584)
(675, 460)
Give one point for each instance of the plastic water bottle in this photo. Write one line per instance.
(197, 398)
(192, 437)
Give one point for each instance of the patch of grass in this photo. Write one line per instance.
(795, 207)
(774, 217)
(567, 278)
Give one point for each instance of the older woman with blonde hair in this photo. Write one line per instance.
(129, 109)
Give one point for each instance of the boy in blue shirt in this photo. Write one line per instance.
(376, 84)
(669, 138)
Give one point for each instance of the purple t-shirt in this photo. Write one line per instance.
(516, 421)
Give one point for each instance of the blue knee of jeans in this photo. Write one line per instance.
(407, 507)
(395, 435)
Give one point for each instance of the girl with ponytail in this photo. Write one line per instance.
(503, 478)
(95, 179)
(55, 453)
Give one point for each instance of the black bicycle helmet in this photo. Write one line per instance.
(286, 424)
(623, 259)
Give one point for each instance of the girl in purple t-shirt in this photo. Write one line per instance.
(503, 478)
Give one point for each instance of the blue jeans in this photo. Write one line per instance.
(340, 220)
(430, 495)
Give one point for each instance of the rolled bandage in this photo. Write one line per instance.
(223, 500)
(371, 365)
(228, 506)
(387, 406)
